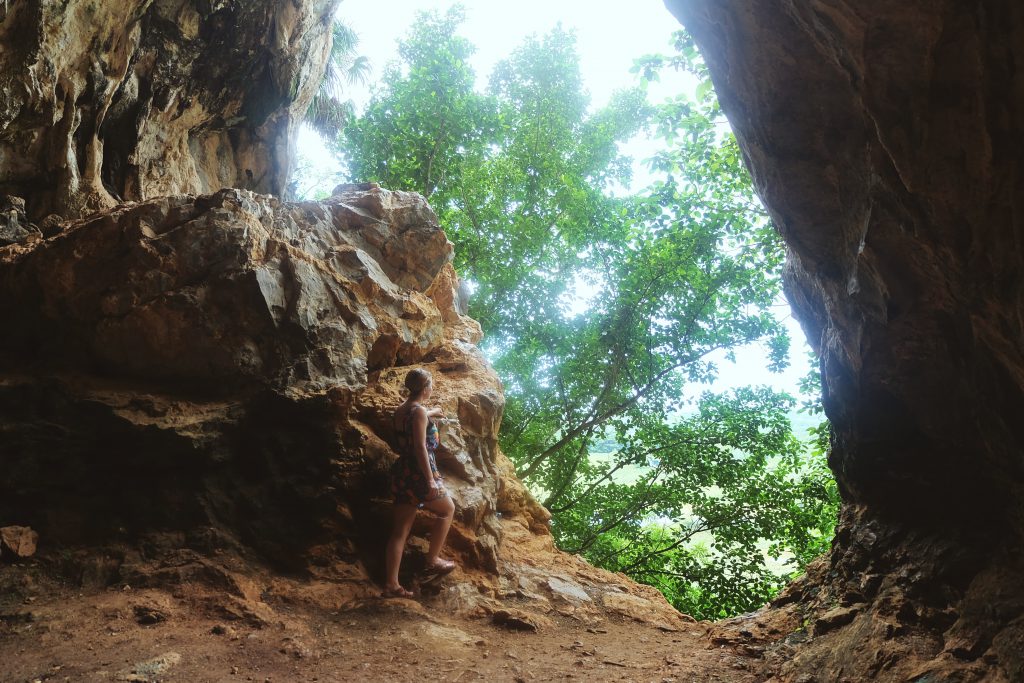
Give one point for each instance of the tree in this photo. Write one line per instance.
(528, 183)
(416, 132)
(510, 171)
(328, 112)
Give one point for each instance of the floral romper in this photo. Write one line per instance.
(408, 485)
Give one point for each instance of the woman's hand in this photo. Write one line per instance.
(433, 490)
(435, 412)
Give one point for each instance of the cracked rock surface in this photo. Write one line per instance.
(131, 99)
(885, 140)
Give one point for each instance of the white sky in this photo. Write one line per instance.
(610, 35)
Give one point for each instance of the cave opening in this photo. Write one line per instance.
(620, 261)
(883, 140)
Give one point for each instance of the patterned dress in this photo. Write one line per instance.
(408, 485)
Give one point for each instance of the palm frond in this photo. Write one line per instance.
(328, 112)
(359, 71)
(327, 115)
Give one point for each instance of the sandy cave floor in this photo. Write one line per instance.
(119, 634)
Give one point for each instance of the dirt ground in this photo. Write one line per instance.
(54, 632)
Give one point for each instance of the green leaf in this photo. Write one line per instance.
(601, 309)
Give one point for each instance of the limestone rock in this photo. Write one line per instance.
(150, 669)
(518, 620)
(567, 590)
(14, 227)
(834, 618)
(132, 99)
(629, 605)
(884, 139)
(191, 346)
(18, 541)
(224, 370)
(206, 373)
(232, 288)
(897, 211)
(544, 578)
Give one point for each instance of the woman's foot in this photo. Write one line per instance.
(440, 566)
(397, 592)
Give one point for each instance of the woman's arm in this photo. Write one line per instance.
(419, 430)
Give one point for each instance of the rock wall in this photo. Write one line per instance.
(226, 365)
(885, 139)
(200, 389)
(104, 101)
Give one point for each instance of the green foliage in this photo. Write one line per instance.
(415, 133)
(705, 490)
(530, 186)
(328, 112)
(816, 505)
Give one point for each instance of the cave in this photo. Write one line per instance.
(173, 332)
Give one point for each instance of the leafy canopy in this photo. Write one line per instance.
(531, 186)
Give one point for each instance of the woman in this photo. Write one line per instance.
(416, 483)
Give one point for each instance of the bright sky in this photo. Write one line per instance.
(610, 35)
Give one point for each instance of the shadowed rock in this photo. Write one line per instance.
(216, 362)
(885, 139)
(131, 99)
(199, 379)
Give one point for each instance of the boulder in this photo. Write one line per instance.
(14, 227)
(18, 542)
(227, 366)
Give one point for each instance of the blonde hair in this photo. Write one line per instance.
(416, 381)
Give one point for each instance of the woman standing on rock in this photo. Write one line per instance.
(416, 483)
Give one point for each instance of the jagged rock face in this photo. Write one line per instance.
(233, 288)
(225, 367)
(885, 139)
(130, 99)
(199, 388)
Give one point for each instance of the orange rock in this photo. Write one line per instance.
(19, 541)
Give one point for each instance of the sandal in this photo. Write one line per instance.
(440, 566)
(397, 593)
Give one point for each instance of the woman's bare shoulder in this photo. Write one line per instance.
(405, 410)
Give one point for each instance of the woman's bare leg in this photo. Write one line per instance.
(444, 508)
(403, 519)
